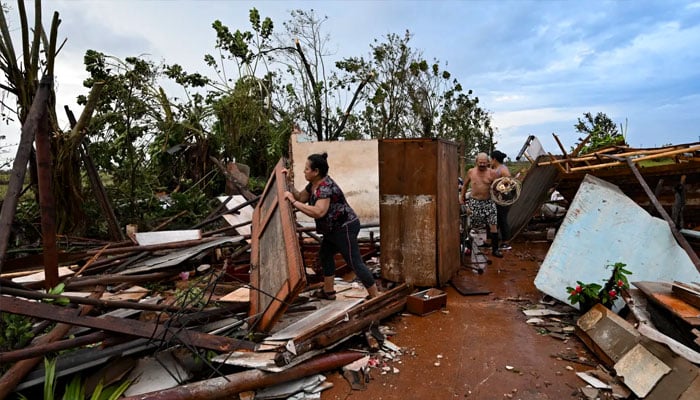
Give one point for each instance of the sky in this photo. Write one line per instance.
(536, 66)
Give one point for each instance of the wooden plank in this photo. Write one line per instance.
(668, 153)
(243, 214)
(693, 391)
(687, 293)
(561, 146)
(240, 295)
(39, 276)
(661, 294)
(124, 326)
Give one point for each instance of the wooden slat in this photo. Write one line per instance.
(124, 326)
(661, 294)
(688, 293)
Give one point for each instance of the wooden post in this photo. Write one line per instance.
(47, 203)
(19, 167)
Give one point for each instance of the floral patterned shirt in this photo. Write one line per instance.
(339, 211)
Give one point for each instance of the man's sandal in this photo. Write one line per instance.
(322, 294)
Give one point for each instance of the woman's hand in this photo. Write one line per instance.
(289, 196)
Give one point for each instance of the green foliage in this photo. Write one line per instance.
(75, 390)
(143, 140)
(112, 392)
(15, 331)
(58, 289)
(602, 130)
(246, 127)
(410, 97)
(49, 378)
(320, 98)
(588, 294)
(192, 296)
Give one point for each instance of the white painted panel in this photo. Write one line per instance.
(604, 226)
(353, 165)
(161, 237)
(245, 214)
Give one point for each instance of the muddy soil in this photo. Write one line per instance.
(480, 347)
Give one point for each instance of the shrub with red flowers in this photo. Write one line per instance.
(588, 294)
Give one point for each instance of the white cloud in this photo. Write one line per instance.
(536, 66)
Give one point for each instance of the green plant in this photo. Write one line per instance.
(588, 294)
(15, 331)
(58, 289)
(191, 296)
(75, 390)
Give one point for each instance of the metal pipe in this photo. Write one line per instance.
(226, 386)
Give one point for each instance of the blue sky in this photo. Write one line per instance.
(537, 66)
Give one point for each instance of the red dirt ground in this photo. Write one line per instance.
(474, 339)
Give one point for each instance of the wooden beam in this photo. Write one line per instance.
(557, 164)
(561, 146)
(109, 304)
(124, 326)
(32, 350)
(47, 201)
(668, 153)
(596, 166)
(580, 145)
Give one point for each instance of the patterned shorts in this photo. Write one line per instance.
(483, 212)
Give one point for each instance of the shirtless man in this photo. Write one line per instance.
(479, 202)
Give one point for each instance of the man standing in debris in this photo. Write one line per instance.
(483, 209)
(324, 201)
(497, 160)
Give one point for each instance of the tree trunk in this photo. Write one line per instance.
(36, 114)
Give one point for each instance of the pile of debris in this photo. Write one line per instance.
(224, 314)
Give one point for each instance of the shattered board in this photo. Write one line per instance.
(604, 226)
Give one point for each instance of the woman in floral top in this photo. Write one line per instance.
(324, 201)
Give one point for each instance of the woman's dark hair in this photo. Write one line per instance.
(319, 162)
(498, 156)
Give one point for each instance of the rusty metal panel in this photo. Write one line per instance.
(447, 211)
(411, 254)
(419, 231)
(408, 166)
(391, 229)
(277, 268)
